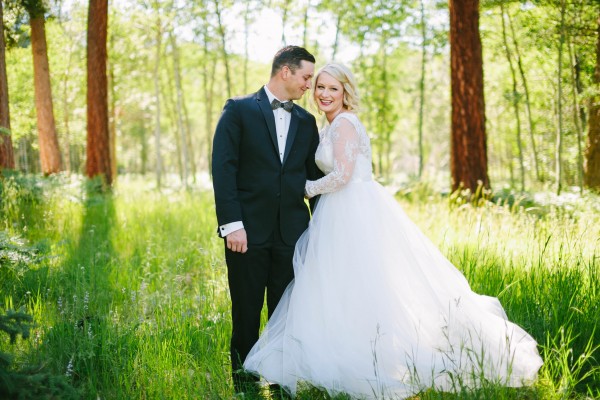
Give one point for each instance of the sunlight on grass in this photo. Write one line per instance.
(129, 291)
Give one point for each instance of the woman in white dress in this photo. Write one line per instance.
(375, 310)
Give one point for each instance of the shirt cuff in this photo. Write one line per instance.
(226, 229)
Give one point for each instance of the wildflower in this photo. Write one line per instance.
(69, 371)
(86, 300)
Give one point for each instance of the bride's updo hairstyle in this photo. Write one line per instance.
(342, 74)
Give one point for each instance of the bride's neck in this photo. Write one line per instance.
(331, 117)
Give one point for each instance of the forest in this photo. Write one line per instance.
(484, 121)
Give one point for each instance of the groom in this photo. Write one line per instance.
(263, 153)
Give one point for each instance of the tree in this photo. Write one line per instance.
(515, 96)
(592, 173)
(48, 140)
(98, 143)
(468, 156)
(7, 159)
(225, 54)
(527, 98)
(422, 85)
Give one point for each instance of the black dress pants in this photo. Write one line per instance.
(267, 266)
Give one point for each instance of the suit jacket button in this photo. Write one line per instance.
(278, 194)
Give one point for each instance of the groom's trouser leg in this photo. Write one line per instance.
(262, 266)
(247, 274)
(281, 271)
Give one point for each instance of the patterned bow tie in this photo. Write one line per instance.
(287, 106)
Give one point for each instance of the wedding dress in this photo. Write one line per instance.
(375, 310)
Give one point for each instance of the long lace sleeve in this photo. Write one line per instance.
(345, 143)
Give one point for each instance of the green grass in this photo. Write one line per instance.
(130, 298)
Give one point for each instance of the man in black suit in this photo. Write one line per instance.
(263, 153)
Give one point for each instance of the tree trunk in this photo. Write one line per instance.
(223, 47)
(559, 130)
(527, 102)
(208, 82)
(112, 126)
(576, 117)
(422, 87)
(592, 173)
(48, 140)
(98, 141)
(284, 20)
(336, 41)
(246, 46)
(179, 110)
(157, 145)
(7, 158)
(468, 147)
(65, 106)
(305, 26)
(515, 100)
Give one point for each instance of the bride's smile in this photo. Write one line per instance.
(329, 95)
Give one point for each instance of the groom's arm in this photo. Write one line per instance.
(225, 163)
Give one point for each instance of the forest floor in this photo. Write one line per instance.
(129, 297)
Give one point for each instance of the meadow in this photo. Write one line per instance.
(129, 297)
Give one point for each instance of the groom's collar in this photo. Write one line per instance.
(271, 96)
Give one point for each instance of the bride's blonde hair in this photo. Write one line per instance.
(345, 77)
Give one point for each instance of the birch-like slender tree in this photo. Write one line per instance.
(223, 37)
(157, 108)
(515, 98)
(525, 83)
(179, 109)
(576, 114)
(559, 100)
(422, 86)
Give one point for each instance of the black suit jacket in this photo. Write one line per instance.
(250, 182)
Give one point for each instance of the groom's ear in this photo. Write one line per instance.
(285, 72)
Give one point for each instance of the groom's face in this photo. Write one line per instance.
(299, 81)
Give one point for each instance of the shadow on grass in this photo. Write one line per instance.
(78, 339)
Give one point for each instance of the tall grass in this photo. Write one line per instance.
(130, 296)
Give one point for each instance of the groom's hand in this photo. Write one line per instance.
(237, 241)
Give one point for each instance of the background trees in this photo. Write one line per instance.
(172, 64)
(469, 150)
(6, 150)
(98, 141)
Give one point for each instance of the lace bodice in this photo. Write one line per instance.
(344, 155)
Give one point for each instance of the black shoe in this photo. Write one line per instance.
(278, 393)
(244, 382)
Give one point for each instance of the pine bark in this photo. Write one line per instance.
(592, 173)
(7, 158)
(468, 144)
(48, 140)
(98, 143)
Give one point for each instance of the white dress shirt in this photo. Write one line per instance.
(282, 126)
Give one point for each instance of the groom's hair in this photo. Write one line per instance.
(292, 56)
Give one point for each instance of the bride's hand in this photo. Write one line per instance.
(306, 195)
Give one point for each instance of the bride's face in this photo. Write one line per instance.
(329, 94)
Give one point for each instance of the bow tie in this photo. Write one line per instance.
(287, 106)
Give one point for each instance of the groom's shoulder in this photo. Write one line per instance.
(304, 113)
(244, 98)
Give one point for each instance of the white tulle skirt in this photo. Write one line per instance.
(376, 311)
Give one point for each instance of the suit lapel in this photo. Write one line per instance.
(265, 107)
(294, 120)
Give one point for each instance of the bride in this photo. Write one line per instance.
(375, 310)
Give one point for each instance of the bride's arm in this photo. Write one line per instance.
(345, 142)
